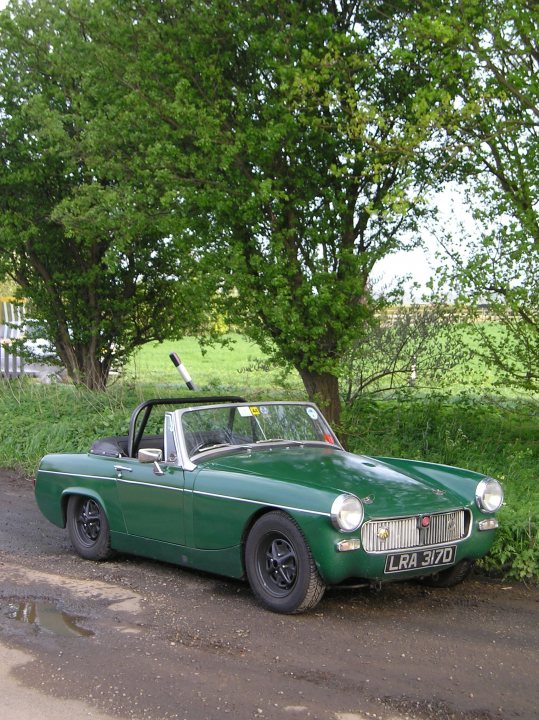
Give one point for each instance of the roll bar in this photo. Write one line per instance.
(135, 436)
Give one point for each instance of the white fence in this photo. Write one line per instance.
(12, 365)
(11, 326)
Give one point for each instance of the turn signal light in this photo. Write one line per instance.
(488, 524)
(348, 544)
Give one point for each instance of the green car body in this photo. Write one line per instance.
(292, 515)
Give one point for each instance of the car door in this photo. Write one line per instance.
(152, 505)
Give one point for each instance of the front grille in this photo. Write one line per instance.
(406, 533)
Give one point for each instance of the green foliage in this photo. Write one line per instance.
(491, 50)
(37, 419)
(424, 346)
(153, 152)
(7, 289)
(81, 229)
(288, 147)
(328, 159)
(516, 549)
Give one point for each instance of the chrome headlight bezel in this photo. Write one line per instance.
(489, 495)
(347, 512)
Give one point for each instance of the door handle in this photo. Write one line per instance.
(121, 469)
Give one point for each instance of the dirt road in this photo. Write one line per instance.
(145, 640)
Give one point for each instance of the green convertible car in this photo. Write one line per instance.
(266, 491)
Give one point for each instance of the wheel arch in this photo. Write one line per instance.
(265, 511)
(249, 525)
(83, 492)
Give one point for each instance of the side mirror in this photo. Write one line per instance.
(152, 455)
(149, 455)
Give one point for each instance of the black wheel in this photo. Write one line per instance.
(450, 577)
(280, 567)
(88, 528)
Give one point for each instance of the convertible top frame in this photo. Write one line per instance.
(145, 408)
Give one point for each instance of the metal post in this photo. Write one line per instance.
(182, 370)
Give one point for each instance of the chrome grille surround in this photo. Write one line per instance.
(406, 534)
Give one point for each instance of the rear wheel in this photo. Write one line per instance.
(450, 577)
(88, 528)
(280, 566)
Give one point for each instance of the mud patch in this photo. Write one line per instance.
(434, 710)
(118, 599)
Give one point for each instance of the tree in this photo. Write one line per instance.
(420, 345)
(297, 143)
(80, 231)
(329, 165)
(283, 147)
(493, 49)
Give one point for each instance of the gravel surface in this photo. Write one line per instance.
(139, 639)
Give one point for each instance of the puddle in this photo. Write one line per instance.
(46, 616)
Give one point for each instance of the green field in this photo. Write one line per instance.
(239, 365)
(490, 434)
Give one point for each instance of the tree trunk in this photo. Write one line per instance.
(83, 368)
(94, 375)
(323, 389)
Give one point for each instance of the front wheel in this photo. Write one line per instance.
(450, 577)
(88, 528)
(280, 566)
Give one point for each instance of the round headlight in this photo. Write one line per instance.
(347, 513)
(489, 495)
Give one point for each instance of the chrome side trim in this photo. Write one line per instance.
(115, 480)
(150, 485)
(261, 503)
(78, 475)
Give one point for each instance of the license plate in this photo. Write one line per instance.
(419, 559)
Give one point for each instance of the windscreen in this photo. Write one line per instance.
(253, 424)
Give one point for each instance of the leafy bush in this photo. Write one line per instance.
(516, 549)
(37, 419)
(424, 346)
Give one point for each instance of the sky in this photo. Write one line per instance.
(419, 264)
(454, 219)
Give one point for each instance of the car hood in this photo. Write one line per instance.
(386, 486)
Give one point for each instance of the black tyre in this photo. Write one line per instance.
(280, 566)
(450, 577)
(88, 528)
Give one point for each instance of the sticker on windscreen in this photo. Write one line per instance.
(264, 410)
(311, 412)
(255, 410)
(244, 411)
